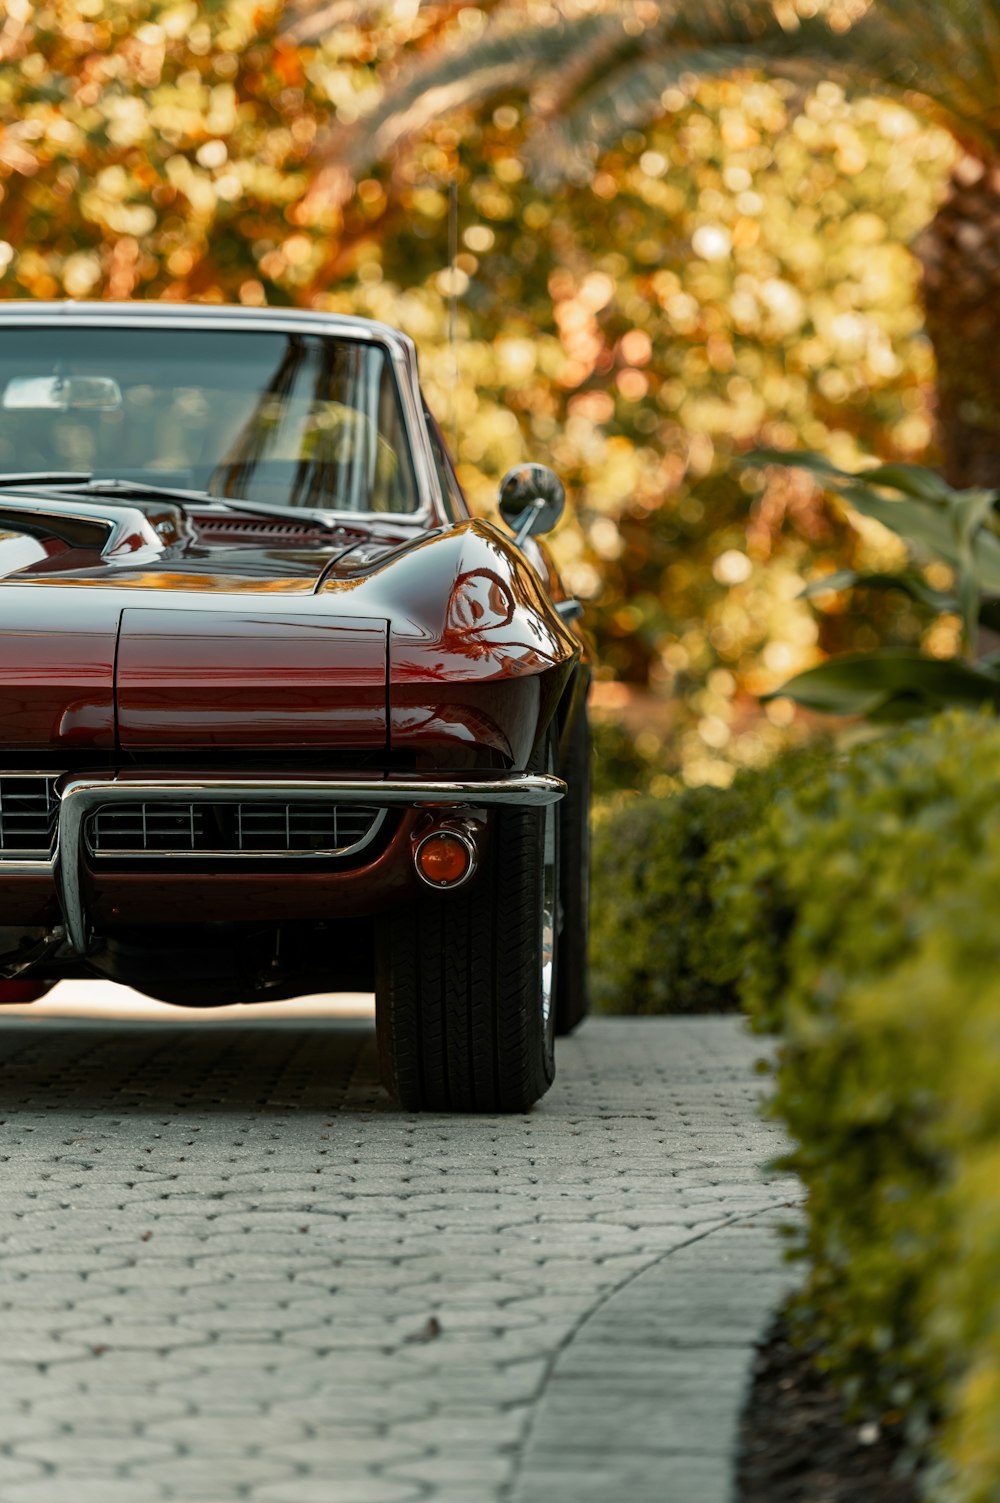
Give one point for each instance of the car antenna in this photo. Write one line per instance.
(453, 305)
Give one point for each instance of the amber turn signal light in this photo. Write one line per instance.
(445, 858)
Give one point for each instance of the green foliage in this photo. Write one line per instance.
(955, 532)
(933, 518)
(847, 900)
(657, 945)
(890, 685)
(621, 762)
(861, 907)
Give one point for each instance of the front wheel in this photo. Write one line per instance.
(465, 981)
(572, 999)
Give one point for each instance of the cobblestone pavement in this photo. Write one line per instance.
(230, 1269)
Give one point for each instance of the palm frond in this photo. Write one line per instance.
(629, 99)
(305, 22)
(503, 60)
(937, 51)
(621, 87)
(594, 76)
(991, 32)
(312, 19)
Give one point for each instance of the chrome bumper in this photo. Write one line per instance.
(80, 796)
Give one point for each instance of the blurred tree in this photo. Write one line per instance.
(596, 73)
(734, 274)
(163, 148)
(728, 277)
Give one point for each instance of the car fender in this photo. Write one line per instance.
(465, 688)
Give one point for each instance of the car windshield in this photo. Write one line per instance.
(277, 418)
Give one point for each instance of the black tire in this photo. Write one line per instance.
(459, 994)
(572, 985)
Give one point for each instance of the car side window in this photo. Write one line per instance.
(447, 479)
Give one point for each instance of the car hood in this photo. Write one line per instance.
(124, 628)
(141, 629)
(120, 547)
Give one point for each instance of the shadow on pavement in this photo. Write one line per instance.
(178, 1068)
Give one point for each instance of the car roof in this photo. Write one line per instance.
(210, 315)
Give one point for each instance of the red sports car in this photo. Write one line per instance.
(277, 714)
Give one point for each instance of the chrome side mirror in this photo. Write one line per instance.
(531, 500)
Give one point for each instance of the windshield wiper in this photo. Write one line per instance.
(113, 487)
(14, 478)
(90, 485)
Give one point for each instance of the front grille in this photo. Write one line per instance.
(29, 810)
(231, 829)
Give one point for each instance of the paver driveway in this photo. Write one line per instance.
(230, 1269)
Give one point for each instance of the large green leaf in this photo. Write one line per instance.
(909, 581)
(891, 685)
(928, 514)
(912, 480)
(970, 512)
(931, 529)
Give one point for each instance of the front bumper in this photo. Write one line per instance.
(81, 795)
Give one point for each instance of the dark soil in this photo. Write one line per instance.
(797, 1447)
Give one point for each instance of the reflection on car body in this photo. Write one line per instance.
(242, 596)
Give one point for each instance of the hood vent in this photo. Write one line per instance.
(243, 527)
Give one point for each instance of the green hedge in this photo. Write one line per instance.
(865, 912)
(852, 904)
(655, 944)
